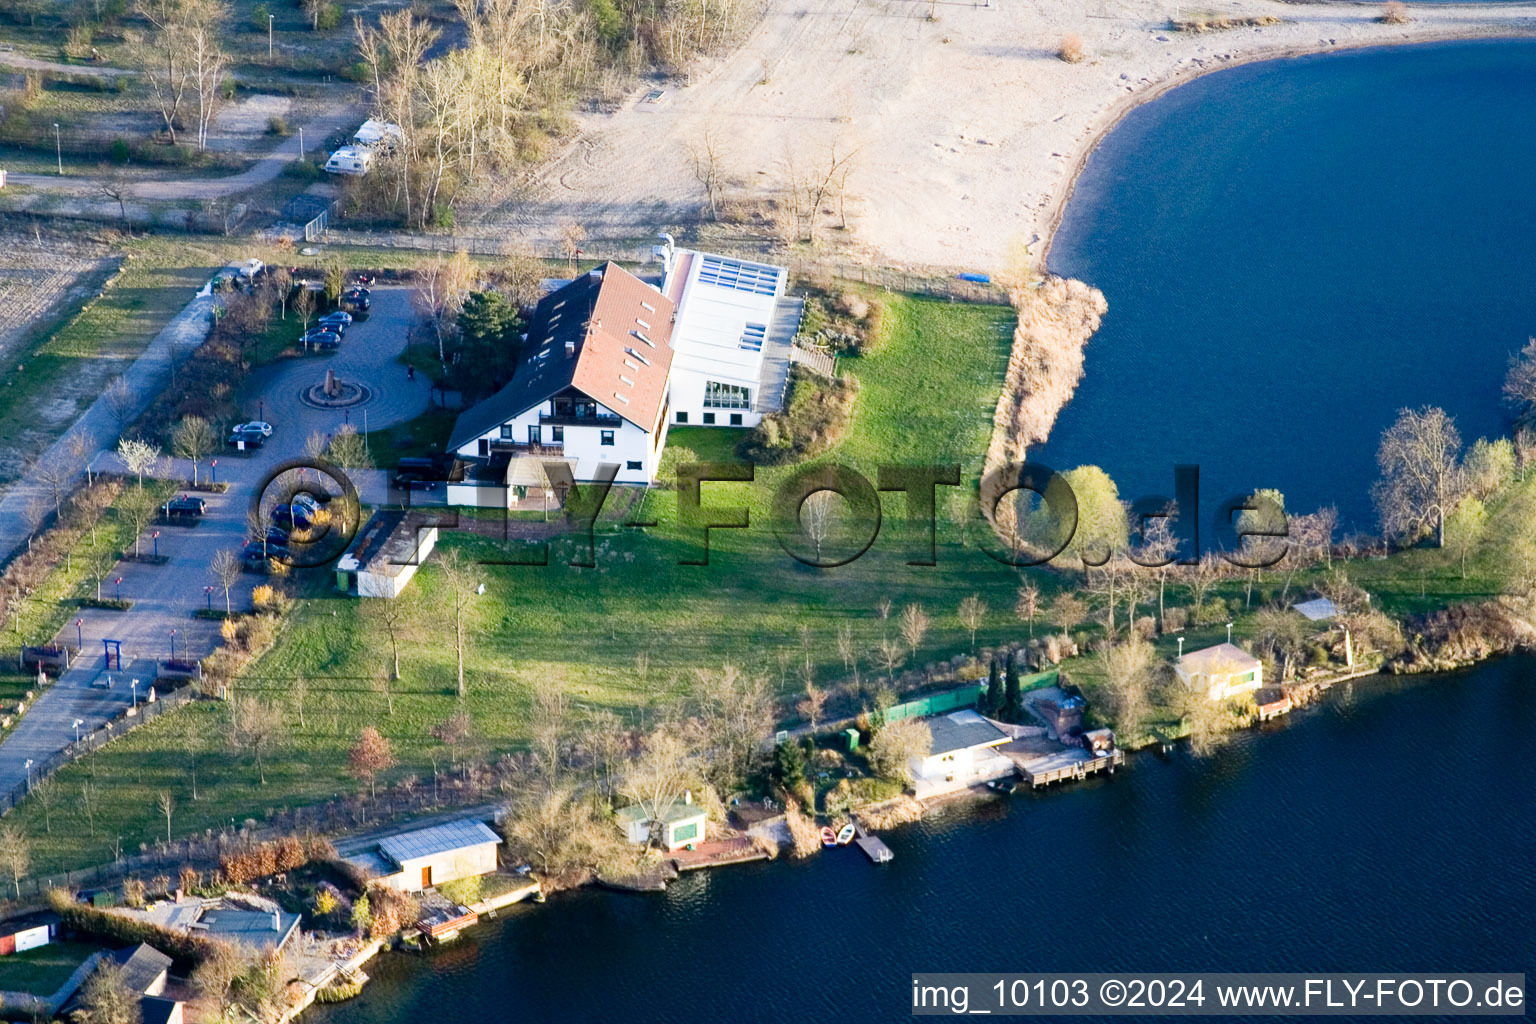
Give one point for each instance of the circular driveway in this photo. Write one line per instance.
(369, 354)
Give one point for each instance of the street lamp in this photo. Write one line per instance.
(156, 538)
(301, 143)
(119, 584)
(133, 688)
(29, 775)
(173, 645)
(1181, 648)
(78, 723)
(1229, 632)
(80, 634)
(58, 146)
(270, 18)
(213, 470)
(208, 592)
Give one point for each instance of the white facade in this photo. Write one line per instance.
(725, 313)
(1220, 672)
(582, 441)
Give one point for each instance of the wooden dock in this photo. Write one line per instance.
(875, 849)
(1042, 761)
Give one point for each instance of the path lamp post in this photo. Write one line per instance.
(58, 147)
(156, 538)
(29, 775)
(1229, 632)
(80, 634)
(119, 584)
(301, 143)
(1181, 648)
(133, 688)
(173, 645)
(261, 410)
(213, 470)
(270, 19)
(78, 723)
(208, 593)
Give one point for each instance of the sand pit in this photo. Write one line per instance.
(969, 126)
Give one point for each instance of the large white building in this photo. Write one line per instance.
(591, 387)
(732, 337)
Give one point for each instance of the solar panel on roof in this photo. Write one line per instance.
(756, 278)
(752, 337)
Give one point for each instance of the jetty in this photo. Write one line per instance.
(1042, 761)
(875, 849)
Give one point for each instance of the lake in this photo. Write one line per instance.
(1388, 828)
(1294, 250)
(1291, 252)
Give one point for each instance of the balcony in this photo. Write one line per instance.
(523, 448)
(607, 422)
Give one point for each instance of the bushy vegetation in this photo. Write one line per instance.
(815, 417)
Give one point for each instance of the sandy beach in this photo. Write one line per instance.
(968, 127)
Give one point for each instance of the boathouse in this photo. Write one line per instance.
(682, 823)
(1219, 672)
(426, 857)
(963, 752)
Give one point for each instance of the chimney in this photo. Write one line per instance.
(570, 349)
(687, 796)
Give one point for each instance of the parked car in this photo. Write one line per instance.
(185, 506)
(358, 299)
(325, 341)
(340, 320)
(298, 514)
(255, 427)
(250, 439)
(255, 554)
(413, 482)
(276, 535)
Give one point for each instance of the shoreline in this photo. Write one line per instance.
(1056, 211)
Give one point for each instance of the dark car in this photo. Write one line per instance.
(413, 482)
(277, 536)
(255, 554)
(298, 514)
(251, 438)
(185, 506)
(338, 321)
(326, 341)
(358, 299)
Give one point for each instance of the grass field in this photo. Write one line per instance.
(42, 970)
(926, 397)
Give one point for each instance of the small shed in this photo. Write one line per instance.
(431, 856)
(1099, 742)
(1221, 671)
(20, 934)
(145, 969)
(682, 822)
(159, 1010)
(385, 555)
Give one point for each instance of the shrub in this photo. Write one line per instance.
(853, 304)
(815, 417)
(118, 152)
(1146, 627)
(303, 170)
(1395, 13)
(277, 126)
(1175, 619)
(463, 890)
(1071, 49)
(326, 900)
(133, 892)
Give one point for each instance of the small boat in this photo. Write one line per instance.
(1002, 785)
(845, 835)
(828, 837)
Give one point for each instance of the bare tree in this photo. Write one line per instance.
(139, 457)
(973, 612)
(119, 400)
(895, 745)
(571, 237)
(113, 187)
(55, 477)
(15, 854)
(193, 440)
(80, 451)
(137, 508)
(847, 651)
(914, 627)
(549, 725)
(453, 733)
(254, 728)
(708, 154)
(813, 704)
(397, 622)
(369, 758)
(1070, 611)
(1420, 481)
(656, 779)
(1127, 669)
(460, 580)
(166, 804)
(46, 795)
(225, 569)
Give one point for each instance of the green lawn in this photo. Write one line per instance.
(41, 971)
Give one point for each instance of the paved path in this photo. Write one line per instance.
(167, 596)
(10, 58)
(146, 378)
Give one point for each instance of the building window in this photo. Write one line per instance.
(682, 417)
(607, 438)
(685, 833)
(735, 419)
(709, 419)
(726, 396)
(632, 464)
(506, 431)
(557, 434)
(534, 437)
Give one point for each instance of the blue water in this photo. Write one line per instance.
(1292, 251)
(1390, 828)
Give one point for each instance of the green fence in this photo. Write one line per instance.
(962, 697)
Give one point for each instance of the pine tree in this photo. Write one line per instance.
(994, 699)
(1014, 709)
